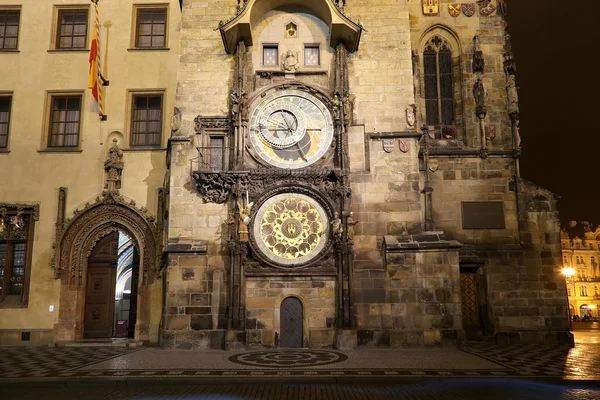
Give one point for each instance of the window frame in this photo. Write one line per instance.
(312, 46)
(59, 24)
(224, 158)
(18, 300)
(270, 46)
(132, 97)
(52, 98)
(136, 26)
(439, 100)
(9, 96)
(10, 10)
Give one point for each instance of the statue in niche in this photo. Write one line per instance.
(336, 227)
(231, 223)
(290, 61)
(513, 96)
(114, 167)
(350, 222)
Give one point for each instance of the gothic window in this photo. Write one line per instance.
(16, 239)
(151, 28)
(439, 90)
(5, 103)
(146, 120)
(312, 55)
(65, 115)
(583, 291)
(9, 29)
(270, 55)
(72, 29)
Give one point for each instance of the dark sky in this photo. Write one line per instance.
(557, 48)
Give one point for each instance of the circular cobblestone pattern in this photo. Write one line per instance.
(288, 358)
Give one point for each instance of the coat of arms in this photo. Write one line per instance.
(433, 165)
(454, 9)
(490, 132)
(468, 9)
(404, 145)
(486, 8)
(388, 145)
(431, 7)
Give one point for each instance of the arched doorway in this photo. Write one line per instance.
(78, 240)
(111, 288)
(292, 323)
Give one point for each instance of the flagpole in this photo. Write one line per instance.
(97, 81)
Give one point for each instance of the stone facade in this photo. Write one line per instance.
(450, 242)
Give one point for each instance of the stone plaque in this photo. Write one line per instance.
(483, 215)
(388, 145)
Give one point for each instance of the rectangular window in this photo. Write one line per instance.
(72, 29)
(151, 28)
(270, 55)
(9, 29)
(217, 153)
(65, 114)
(5, 103)
(146, 120)
(16, 233)
(312, 55)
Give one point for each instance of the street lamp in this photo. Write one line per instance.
(568, 272)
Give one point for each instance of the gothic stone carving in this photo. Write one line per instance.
(211, 123)
(108, 213)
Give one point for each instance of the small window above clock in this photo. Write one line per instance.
(270, 54)
(312, 56)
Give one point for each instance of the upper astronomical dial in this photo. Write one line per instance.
(291, 129)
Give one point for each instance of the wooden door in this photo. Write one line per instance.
(100, 288)
(291, 317)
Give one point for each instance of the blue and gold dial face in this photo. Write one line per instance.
(291, 129)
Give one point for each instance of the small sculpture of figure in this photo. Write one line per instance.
(244, 106)
(290, 61)
(347, 109)
(513, 96)
(350, 222)
(231, 223)
(479, 95)
(336, 227)
(17, 221)
(1, 224)
(245, 214)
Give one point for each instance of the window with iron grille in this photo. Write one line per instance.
(438, 79)
(270, 54)
(312, 55)
(16, 234)
(72, 29)
(65, 115)
(9, 29)
(217, 153)
(146, 120)
(5, 103)
(151, 28)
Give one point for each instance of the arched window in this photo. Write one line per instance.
(439, 91)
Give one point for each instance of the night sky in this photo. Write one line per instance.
(556, 49)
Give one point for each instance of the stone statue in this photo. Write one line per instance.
(290, 61)
(245, 214)
(513, 96)
(175, 122)
(231, 223)
(114, 167)
(336, 227)
(350, 222)
(479, 95)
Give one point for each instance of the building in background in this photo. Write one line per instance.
(287, 176)
(581, 258)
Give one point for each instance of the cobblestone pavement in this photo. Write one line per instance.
(447, 389)
(475, 360)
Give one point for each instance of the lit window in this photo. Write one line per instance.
(439, 91)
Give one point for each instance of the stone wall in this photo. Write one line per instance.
(263, 301)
